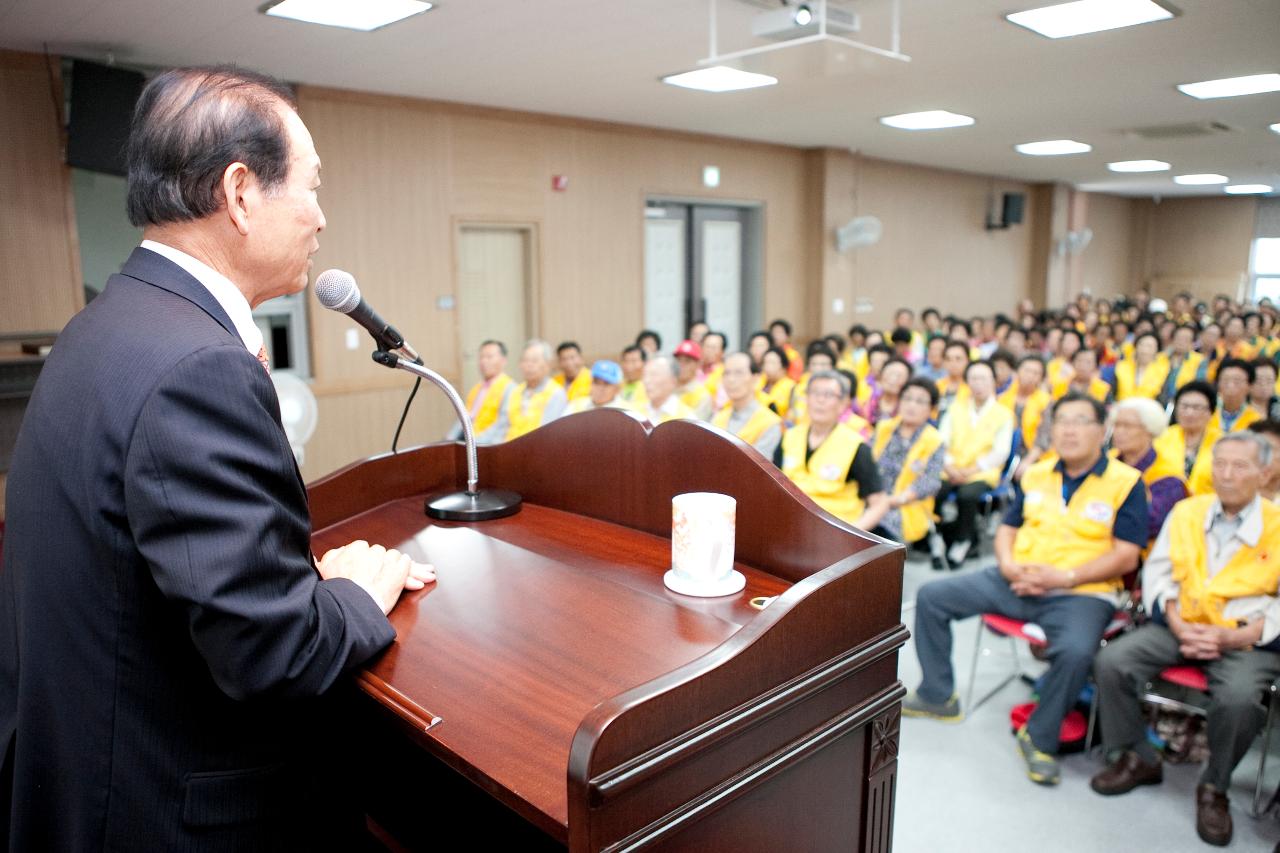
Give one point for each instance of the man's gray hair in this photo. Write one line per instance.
(846, 388)
(669, 361)
(1150, 414)
(544, 348)
(1248, 437)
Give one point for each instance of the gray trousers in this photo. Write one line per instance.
(1236, 681)
(1073, 626)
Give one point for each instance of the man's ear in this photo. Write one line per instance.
(239, 189)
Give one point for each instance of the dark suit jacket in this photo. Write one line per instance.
(161, 621)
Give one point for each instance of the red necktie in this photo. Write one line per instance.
(262, 359)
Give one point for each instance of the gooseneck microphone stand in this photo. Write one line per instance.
(472, 504)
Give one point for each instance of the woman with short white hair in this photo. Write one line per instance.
(1135, 425)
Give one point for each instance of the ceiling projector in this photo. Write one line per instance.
(782, 24)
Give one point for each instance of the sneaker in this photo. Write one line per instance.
(1042, 768)
(959, 552)
(947, 712)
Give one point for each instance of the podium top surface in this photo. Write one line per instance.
(534, 620)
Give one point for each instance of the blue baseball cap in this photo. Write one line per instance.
(607, 371)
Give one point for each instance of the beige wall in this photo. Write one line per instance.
(1197, 244)
(37, 235)
(401, 175)
(1105, 264)
(935, 249)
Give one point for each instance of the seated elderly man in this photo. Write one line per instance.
(661, 373)
(829, 461)
(1136, 423)
(1074, 528)
(488, 398)
(537, 400)
(744, 415)
(606, 390)
(633, 359)
(1210, 585)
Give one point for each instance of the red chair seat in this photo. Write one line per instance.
(1006, 627)
(1186, 676)
(1074, 726)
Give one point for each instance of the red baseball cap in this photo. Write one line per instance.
(689, 349)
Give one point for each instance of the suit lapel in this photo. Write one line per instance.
(148, 267)
(157, 270)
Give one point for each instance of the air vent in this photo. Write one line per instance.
(1189, 130)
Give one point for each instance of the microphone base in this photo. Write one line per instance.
(482, 505)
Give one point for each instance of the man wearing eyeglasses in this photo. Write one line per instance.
(1073, 530)
(829, 461)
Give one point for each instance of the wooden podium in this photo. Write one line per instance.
(551, 693)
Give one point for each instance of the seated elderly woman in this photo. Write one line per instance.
(909, 453)
(1136, 423)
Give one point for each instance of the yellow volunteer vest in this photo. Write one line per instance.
(1172, 444)
(524, 417)
(761, 419)
(915, 515)
(1032, 411)
(798, 411)
(1152, 383)
(970, 439)
(823, 477)
(693, 397)
(580, 387)
(633, 393)
(1068, 536)
(1098, 389)
(488, 414)
(778, 397)
(1251, 571)
(1054, 370)
(1186, 371)
(1248, 416)
(712, 382)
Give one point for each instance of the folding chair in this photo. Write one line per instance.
(1195, 678)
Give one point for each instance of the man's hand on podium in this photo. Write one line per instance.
(382, 573)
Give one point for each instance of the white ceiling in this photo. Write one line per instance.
(602, 59)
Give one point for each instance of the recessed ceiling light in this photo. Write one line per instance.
(1200, 180)
(365, 16)
(1275, 128)
(720, 78)
(927, 120)
(1138, 166)
(1051, 147)
(1089, 16)
(1230, 87)
(1246, 189)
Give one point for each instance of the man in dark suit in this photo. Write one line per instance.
(161, 616)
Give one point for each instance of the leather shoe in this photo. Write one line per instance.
(1126, 773)
(1213, 816)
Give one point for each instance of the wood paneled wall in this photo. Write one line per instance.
(401, 175)
(1106, 264)
(935, 249)
(1197, 244)
(40, 286)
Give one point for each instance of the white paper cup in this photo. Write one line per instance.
(703, 528)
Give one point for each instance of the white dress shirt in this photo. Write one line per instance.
(221, 289)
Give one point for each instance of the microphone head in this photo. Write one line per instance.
(337, 289)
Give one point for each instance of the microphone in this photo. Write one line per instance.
(337, 290)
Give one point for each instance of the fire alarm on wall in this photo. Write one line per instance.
(559, 183)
